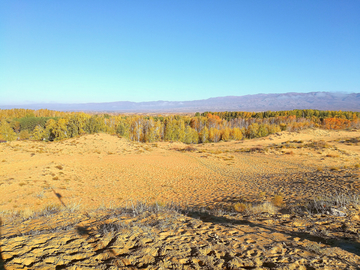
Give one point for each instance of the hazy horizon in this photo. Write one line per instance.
(74, 103)
(92, 52)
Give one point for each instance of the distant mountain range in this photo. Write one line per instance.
(258, 102)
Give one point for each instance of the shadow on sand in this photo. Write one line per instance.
(205, 216)
(342, 243)
(2, 265)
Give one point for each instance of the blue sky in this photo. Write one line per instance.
(102, 51)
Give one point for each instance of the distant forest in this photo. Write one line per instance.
(47, 125)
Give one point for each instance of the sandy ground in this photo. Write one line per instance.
(102, 171)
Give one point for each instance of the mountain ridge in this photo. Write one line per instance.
(256, 102)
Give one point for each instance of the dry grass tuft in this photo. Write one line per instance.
(241, 207)
(278, 200)
(50, 209)
(266, 207)
(27, 214)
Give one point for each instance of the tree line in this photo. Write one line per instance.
(49, 125)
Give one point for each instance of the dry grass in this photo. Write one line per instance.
(241, 207)
(249, 209)
(265, 207)
(278, 200)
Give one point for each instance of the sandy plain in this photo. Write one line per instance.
(89, 188)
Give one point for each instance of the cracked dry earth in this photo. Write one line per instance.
(47, 190)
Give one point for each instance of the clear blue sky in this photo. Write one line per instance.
(101, 51)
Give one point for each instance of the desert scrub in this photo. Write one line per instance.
(60, 167)
(241, 207)
(314, 247)
(324, 203)
(49, 210)
(278, 200)
(247, 208)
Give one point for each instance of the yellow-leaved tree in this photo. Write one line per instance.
(38, 133)
(6, 132)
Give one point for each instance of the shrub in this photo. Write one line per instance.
(278, 200)
(241, 207)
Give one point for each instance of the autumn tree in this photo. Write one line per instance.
(136, 129)
(214, 135)
(6, 132)
(123, 128)
(76, 124)
(24, 135)
(236, 134)
(191, 135)
(204, 135)
(48, 133)
(225, 134)
(38, 133)
(60, 129)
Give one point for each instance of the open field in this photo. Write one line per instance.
(240, 204)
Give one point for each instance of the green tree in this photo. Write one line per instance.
(123, 128)
(263, 131)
